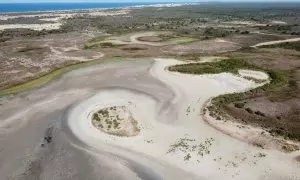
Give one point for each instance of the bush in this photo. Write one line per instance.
(211, 32)
(96, 117)
(245, 32)
(230, 65)
(239, 105)
(260, 113)
(249, 110)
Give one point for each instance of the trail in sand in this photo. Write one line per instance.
(276, 42)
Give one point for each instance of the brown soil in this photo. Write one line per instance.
(132, 50)
(23, 58)
(249, 40)
(150, 39)
(201, 47)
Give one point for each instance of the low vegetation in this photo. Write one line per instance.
(100, 41)
(218, 104)
(231, 65)
(49, 77)
(289, 29)
(189, 146)
(114, 121)
(134, 48)
(215, 32)
(277, 79)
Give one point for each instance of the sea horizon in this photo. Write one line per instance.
(65, 6)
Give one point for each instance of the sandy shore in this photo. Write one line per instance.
(175, 119)
(55, 18)
(174, 141)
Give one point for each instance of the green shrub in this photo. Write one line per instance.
(229, 65)
(239, 105)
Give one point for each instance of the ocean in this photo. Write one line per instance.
(28, 7)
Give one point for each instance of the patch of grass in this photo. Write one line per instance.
(187, 157)
(33, 84)
(109, 45)
(166, 37)
(260, 155)
(102, 45)
(278, 78)
(133, 49)
(290, 148)
(239, 105)
(286, 45)
(94, 41)
(214, 32)
(229, 65)
(257, 144)
(181, 40)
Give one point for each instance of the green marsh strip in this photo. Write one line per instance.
(55, 75)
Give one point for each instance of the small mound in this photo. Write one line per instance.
(116, 120)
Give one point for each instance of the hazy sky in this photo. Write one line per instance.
(13, 1)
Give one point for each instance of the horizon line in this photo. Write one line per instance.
(164, 2)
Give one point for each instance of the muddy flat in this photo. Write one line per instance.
(165, 119)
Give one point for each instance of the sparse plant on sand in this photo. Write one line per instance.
(111, 120)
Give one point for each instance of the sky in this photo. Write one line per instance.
(25, 1)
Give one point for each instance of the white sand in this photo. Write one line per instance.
(56, 17)
(37, 27)
(276, 42)
(108, 13)
(253, 74)
(163, 122)
(278, 22)
(247, 23)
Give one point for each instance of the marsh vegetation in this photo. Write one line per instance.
(116, 120)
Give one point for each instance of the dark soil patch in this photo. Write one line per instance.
(150, 39)
(133, 48)
(297, 158)
(30, 48)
